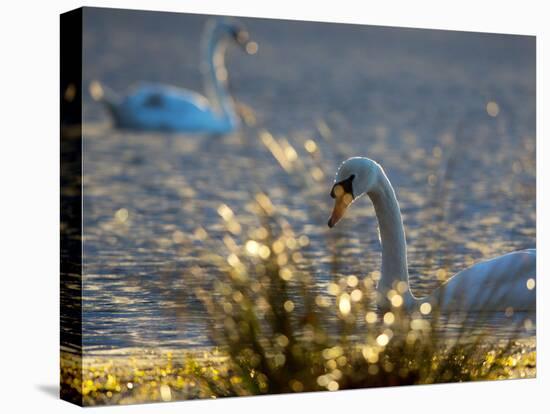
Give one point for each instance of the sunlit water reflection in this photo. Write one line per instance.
(415, 101)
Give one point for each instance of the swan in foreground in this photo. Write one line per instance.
(157, 107)
(503, 283)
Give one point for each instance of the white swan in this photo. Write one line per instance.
(503, 283)
(157, 107)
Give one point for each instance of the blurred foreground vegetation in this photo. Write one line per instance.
(275, 331)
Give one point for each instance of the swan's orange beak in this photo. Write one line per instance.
(341, 203)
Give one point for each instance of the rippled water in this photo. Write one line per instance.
(413, 100)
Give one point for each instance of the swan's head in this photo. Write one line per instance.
(235, 30)
(355, 177)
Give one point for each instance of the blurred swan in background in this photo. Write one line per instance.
(157, 107)
(505, 283)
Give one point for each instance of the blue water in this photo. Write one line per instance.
(414, 100)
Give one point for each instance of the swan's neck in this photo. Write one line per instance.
(215, 76)
(392, 237)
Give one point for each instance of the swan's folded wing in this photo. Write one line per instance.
(499, 284)
(161, 107)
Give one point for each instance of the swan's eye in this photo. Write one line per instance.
(343, 187)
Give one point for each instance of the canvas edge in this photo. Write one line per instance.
(71, 204)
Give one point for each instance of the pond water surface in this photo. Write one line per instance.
(449, 115)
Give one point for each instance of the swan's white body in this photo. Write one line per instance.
(499, 284)
(157, 107)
